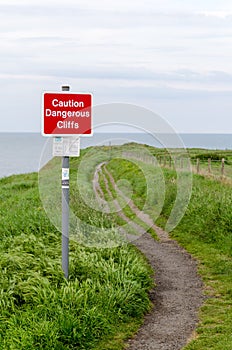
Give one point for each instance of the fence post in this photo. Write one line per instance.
(174, 163)
(209, 165)
(223, 167)
(181, 163)
(198, 165)
(170, 162)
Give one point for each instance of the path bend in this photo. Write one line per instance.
(177, 296)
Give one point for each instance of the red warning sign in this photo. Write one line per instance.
(66, 114)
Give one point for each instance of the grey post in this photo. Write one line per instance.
(198, 165)
(223, 167)
(209, 165)
(65, 210)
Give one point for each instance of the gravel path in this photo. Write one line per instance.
(177, 296)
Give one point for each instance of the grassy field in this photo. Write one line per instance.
(101, 304)
(206, 232)
(200, 156)
(107, 293)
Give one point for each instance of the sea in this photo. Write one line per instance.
(27, 152)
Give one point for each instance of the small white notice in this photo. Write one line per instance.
(66, 146)
(65, 173)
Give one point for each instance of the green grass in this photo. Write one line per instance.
(107, 294)
(129, 213)
(101, 304)
(110, 195)
(143, 180)
(206, 232)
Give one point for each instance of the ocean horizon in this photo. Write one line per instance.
(22, 152)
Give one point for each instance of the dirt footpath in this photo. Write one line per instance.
(177, 296)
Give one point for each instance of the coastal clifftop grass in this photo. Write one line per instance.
(206, 232)
(100, 305)
(106, 296)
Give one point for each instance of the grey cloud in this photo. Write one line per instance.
(143, 74)
(214, 35)
(166, 49)
(39, 10)
(113, 72)
(162, 93)
(208, 77)
(40, 39)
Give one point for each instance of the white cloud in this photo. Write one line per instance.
(219, 14)
(146, 52)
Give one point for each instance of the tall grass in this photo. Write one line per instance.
(102, 302)
(206, 232)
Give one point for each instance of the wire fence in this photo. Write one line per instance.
(220, 169)
(210, 167)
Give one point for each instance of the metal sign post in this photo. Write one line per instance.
(65, 209)
(66, 116)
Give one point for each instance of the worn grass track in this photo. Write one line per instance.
(177, 296)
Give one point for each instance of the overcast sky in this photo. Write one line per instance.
(171, 56)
